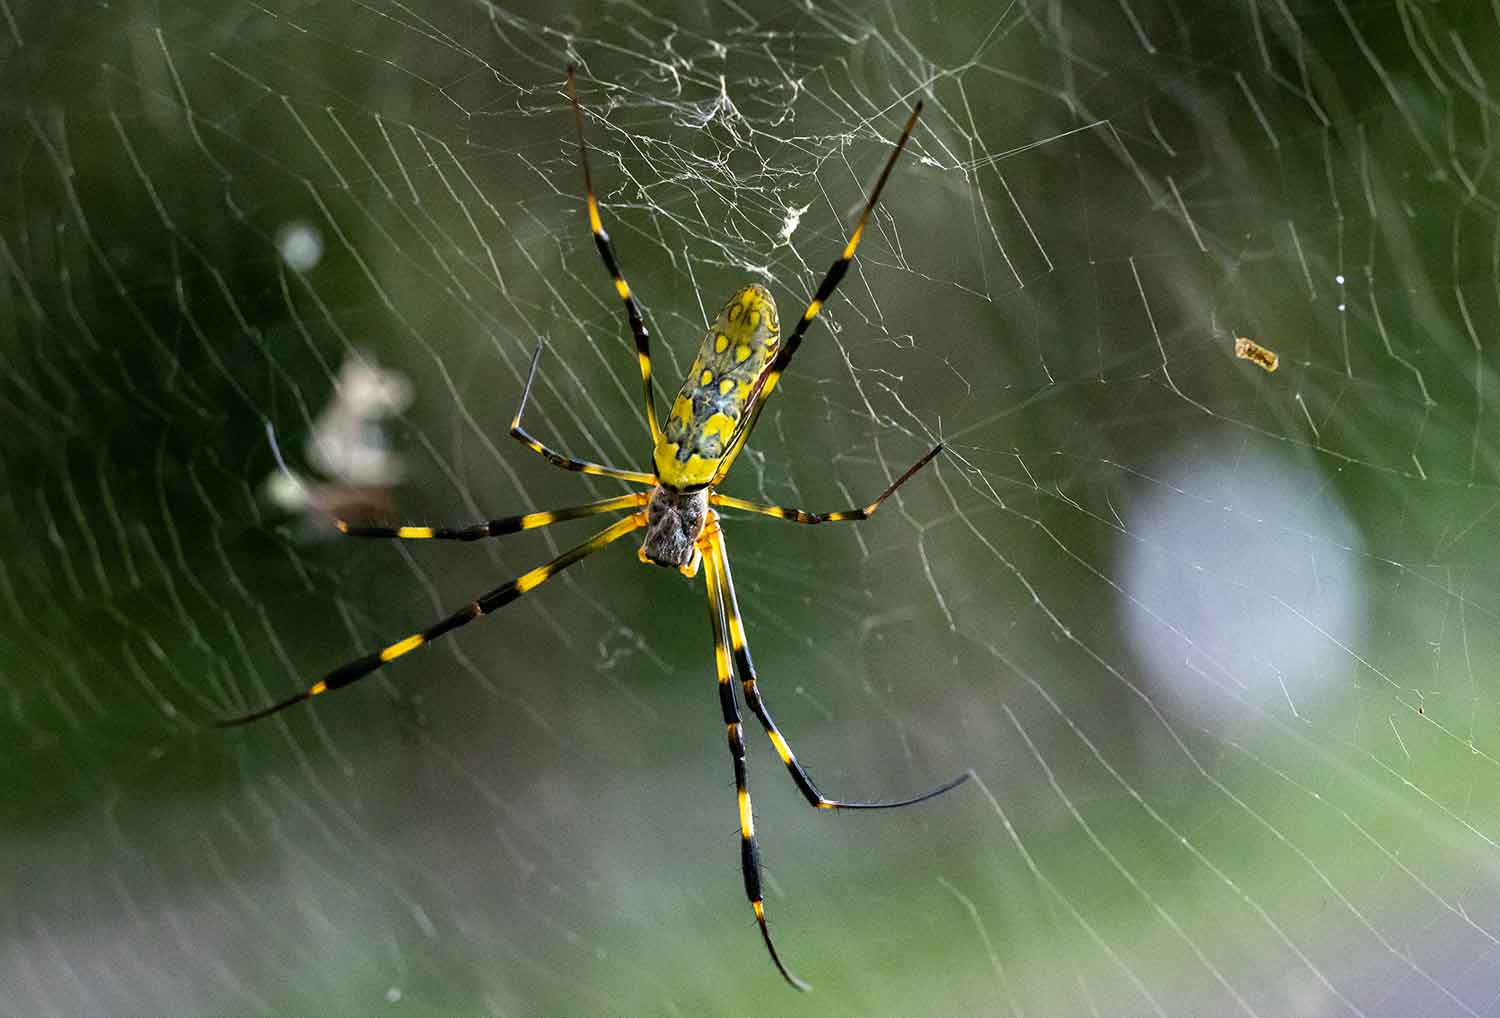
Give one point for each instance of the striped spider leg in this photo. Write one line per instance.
(783, 356)
(607, 253)
(557, 459)
(730, 644)
(485, 604)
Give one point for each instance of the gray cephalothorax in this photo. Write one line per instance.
(674, 521)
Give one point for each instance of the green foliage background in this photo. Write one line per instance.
(1218, 644)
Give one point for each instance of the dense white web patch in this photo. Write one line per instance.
(1217, 640)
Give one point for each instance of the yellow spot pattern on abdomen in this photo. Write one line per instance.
(736, 351)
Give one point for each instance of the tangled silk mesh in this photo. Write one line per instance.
(1218, 641)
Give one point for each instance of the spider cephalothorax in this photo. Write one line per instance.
(739, 363)
(674, 522)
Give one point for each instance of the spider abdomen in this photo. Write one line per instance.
(710, 407)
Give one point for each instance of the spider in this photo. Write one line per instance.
(736, 371)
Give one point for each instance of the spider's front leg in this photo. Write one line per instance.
(351, 672)
(741, 650)
(729, 702)
(497, 527)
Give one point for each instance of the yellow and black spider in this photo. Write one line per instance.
(735, 372)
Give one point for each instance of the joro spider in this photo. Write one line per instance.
(736, 370)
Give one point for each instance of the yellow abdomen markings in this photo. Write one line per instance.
(708, 410)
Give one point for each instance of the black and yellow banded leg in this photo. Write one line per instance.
(740, 648)
(607, 253)
(729, 702)
(557, 459)
(493, 601)
(802, 516)
(824, 291)
(499, 527)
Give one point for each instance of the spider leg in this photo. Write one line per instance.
(499, 527)
(802, 516)
(557, 459)
(607, 253)
(741, 650)
(749, 850)
(825, 290)
(360, 667)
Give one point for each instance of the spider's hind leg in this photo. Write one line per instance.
(607, 255)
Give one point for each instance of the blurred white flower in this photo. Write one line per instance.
(356, 470)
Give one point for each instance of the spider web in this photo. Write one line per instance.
(1219, 643)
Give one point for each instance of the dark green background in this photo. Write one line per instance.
(1287, 805)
